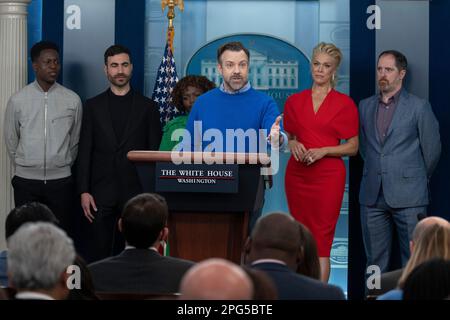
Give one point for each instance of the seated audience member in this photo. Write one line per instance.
(428, 281)
(30, 212)
(216, 279)
(309, 262)
(86, 290)
(140, 268)
(434, 242)
(263, 286)
(38, 257)
(389, 280)
(184, 95)
(275, 248)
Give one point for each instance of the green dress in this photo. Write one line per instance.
(178, 123)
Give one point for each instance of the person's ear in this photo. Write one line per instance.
(105, 69)
(219, 68)
(34, 65)
(402, 74)
(246, 251)
(119, 225)
(300, 256)
(164, 234)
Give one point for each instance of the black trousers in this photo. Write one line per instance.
(56, 194)
(104, 239)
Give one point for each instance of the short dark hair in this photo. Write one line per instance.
(200, 82)
(116, 49)
(400, 60)
(143, 218)
(232, 46)
(29, 212)
(38, 47)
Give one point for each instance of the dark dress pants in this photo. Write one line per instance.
(56, 194)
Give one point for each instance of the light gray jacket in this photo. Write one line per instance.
(42, 130)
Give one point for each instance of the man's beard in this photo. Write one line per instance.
(384, 85)
(120, 84)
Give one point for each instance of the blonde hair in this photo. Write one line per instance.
(331, 50)
(434, 242)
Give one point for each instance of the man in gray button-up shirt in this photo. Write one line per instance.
(400, 145)
(41, 129)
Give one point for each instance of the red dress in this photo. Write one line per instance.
(314, 193)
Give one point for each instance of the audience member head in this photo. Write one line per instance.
(433, 242)
(263, 286)
(428, 281)
(87, 289)
(188, 89)
(275, 236)
(144, 221)
(422, 225)
(309, 261)
(29, 212)
(216, 279)
(38, 257)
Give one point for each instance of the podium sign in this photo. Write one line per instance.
(209, 203)
(203, 178)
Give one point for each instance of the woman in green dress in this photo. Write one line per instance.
(184, 95)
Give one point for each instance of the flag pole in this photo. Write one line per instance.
(171, 4)
(167, 77)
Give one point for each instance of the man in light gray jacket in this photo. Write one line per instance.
(41, 129)
(400, 145)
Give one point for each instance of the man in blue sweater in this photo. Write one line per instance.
(234, 117)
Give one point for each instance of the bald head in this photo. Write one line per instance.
(424, 224)
(216, 279)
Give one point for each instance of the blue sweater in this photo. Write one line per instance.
(222, 111)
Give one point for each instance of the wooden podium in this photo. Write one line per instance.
(205, 223)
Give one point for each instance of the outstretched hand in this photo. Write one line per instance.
(274, 136)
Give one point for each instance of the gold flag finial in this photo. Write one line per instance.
(171, 15)
(172, 4)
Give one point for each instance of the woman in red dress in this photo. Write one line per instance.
(316, 120)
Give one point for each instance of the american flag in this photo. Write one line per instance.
(164, 84)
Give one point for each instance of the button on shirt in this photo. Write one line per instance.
(385, 113)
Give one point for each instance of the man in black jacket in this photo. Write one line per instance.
(115, 122)
(140, 268)
(275, 248)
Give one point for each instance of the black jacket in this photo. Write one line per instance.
(103, 168)
(139, 271)
(293, 286)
